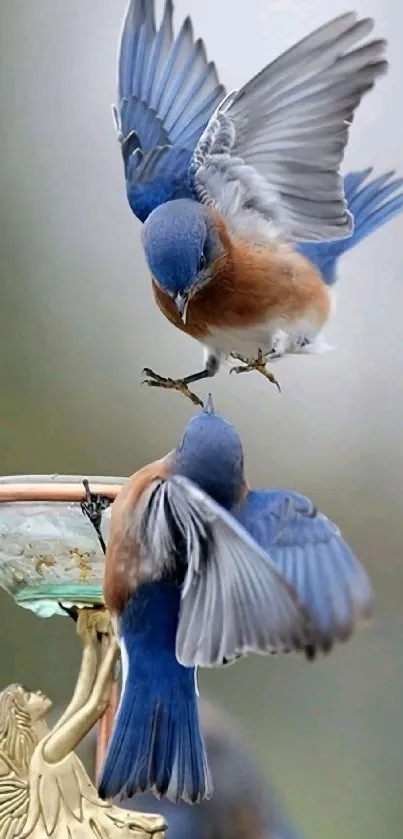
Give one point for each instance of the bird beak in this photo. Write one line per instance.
(181, 303)
(208, 406)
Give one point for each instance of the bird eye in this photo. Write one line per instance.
(202, 262)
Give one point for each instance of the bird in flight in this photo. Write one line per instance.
(227, 184)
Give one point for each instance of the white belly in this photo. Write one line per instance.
(284, 335)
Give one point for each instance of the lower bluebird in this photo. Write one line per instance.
(199, 571)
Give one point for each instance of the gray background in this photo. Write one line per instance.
(78, 323)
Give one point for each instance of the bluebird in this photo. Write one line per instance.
(199, 571)
(227, 184)
(244, 805)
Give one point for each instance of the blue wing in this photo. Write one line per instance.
(233, 598)
(372, 203)
(167, 92)
(312, 555)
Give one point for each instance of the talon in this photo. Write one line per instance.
(192, 396)
(93, 507)
(150, 374)
(155, 380)
(168, 384)
(272, 379)
(258, 364)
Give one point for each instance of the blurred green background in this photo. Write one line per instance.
(78, 323)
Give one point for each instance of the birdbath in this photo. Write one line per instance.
(51, 562)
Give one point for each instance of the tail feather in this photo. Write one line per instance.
(156, 743)
(372, 203)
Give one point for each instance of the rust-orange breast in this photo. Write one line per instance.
(250, 284)
(122, 556)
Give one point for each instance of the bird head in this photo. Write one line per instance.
(181, 243)
(210, 454)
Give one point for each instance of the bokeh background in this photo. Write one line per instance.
(78, 323)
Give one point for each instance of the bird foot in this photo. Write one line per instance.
(155, 380)
(258, 364)
(93, 507)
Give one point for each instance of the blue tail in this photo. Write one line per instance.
(370, 203)
(156, 743)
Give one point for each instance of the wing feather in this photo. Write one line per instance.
(271, 153)
(310, 552)
(167, 92)
(234, 599)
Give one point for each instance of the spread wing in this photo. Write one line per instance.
(311, 553)
(269, 158)
(234, 598)
(167, 92)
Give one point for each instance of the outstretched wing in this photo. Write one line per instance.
(269, 158)
(167, 92)
(234, 599)
(311, 553)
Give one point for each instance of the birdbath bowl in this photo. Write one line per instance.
(49, 551)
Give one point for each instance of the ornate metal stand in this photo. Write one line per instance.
(52, 563)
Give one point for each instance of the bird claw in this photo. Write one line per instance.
(92, 507)
(155, 380)
(258, 364)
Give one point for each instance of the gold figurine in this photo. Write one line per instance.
(44, 788)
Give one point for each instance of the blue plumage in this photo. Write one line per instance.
(222, 181)
(211, 456)
(372, 202)
(312, 554)
(225, 526)
(167, 92)
(156, 742)
(305, 546)
(210, 571)
(178, 244)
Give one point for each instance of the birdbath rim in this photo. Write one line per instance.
(50, 554)
(56, 487)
